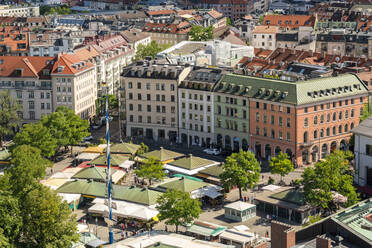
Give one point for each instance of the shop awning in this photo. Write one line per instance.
(87, 156)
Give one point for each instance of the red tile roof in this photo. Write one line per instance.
(291, 21)
(70, 64)
(265, 30)
(164, 28)
(215, 14)
(161, 12)
(16, 40)
(31, 66)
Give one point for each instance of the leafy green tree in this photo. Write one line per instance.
(281, 165)
(143, 149)
(29, 168)
(198, 33)
(178, 208)
(4, 242)
(8, 114)
(152, 169)
(10, 217)
(101, 104)
(332, 174)
(39, 136)
(47, 221)
(149, 50)
(366, 112)
(242, 170)
(228, 21)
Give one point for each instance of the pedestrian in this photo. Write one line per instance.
(126, 234)
(166, 228)
(263, 177)
(122, 234)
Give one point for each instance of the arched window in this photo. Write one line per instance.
(306, 122)
(328, 118)
(315, 134)
(346, 128)
(321, 119)
(334, 116)
(346, 114)
(315, 120)
(352, 126)
(340, 115)
(321, 133)
(352, 113)
(257, 116)
(328, 131)
(340, 129)
(305, 137)
(334, 130)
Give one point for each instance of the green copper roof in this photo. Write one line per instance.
(95, 173)
(300, 92)
(292, 196)
(206, 229)
(124, 148)
(116, 160)
(191, 162)
(84, 187)
(188, 177)
(184, 185)
(98, 189)
(137, 195)
(162, 154)
(214, 171)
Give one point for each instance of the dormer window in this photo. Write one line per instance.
(18, 72)
(60, 68)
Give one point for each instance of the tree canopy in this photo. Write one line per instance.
(143, 149)
(59, 10)
(281, 165)
(334, 174)
(242, 170)
(149, 50)
(32, 215)
(178, 208)
(198, 33)
(53, 131)
(8, 114)
(152, 169)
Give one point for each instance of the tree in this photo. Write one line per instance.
(39, 136)
(198, 33)
(47, 221)
(143, 149)
(101, 104)
(334, 174)
(8, 114)
(281, 165)
(228, 21)
(29, 168)
(151, 170)
(366, 112)
(241, 170)
(10, 217)
(178, 208)
(149, 50)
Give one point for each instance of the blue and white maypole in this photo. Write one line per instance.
(111, 234)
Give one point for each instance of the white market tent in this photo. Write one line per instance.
(271, 187)
(67, 173)
(69, 197)
(54, 183)
(186, 171)
(87, 156)
(127, 164)
(211, 191)
(117, 175)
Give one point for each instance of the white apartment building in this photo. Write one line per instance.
(28, 80)
(151, 105)
(195, 106)
(19, 11)
(74, 85)
(363, 153)
(135, 37)
(265, 37)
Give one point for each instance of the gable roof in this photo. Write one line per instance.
(115, 160)
(137, 195)
(93, 172)
(191, 162)
(124, 148)
(70, 64)
(265, 30)
(183, 184)
(31, 66)
(162, 154)
(213, 171)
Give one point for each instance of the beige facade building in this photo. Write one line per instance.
(151, 104)
(74, 85)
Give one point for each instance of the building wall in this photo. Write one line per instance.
(167, 38)
(265, 41)
(363, 160)
(230, 128)
(19, 11)
(34, 97)
(196, 118)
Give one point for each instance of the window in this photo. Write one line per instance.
(257, 105)
(352, 101)
(328, 118)
(369, 150)
(42, 105)
(265, 132)
(306, 122)
(272, 120)
(31, 94)
(280, 135)
(272, 107)
(340, 103)
(139, 85)
(346, 114)
(42, 95)
(334, 116)
(352, 113)
(173, 109)
(163, 109)
(265, 119)
(131, 107)
(322, 106)
(321, 133)
(288, 110)
(244, 102)
(346, 102)
(306, 109)
(328, 132)
(257, 117)
(315, 134)
(280, 121)
(172, 98)
(31, 105)
(305, 137)
(148, 119)
(361, 99)
(139, 96)
(346, 129)
(340, 129)
(162, 86)
(218, 98)
(219, 109)
(328, 105)
(130, 95)
(315, 120)
(334, 104)
(334, 130)
(139, 107)
(157, 86)
(32, 115)
(130, 85)
(158, 109)
(140, 119)
(244, 114)
(201, 97)
(48, 105)
(195, 97)
(340, 116)
(321, 119)
(361, 111)
(19, 94)
(288, 122)
(148, 87)
(48, 95)
(172, 87)
(280, 108)
(315, 108)
(288, 136)
(163, 98)
(148, 108)
(265, 106)
(257, 131)
(148, 97)
(131, 118)
(208, 98)
(272, 133)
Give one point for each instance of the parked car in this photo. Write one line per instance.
(88, 138)
(212, 151)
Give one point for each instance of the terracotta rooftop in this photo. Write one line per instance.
(215, 14)
(161, 12)
(69, 64)
(163, 28)
(26, 66)
(265, 30)
(291, 21)
(16, 40)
